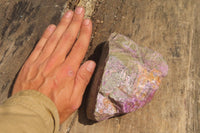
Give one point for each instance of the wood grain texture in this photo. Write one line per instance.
(169, 27)
(21, 25)
(22, 22)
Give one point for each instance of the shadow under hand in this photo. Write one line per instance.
(12, 85)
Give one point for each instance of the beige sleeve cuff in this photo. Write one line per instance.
(40, 105)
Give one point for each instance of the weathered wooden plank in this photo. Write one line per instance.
(21, 25)
(169, 27)
(193, 88)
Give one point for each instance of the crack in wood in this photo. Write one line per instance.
(4, 55)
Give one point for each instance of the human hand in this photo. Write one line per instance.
(53, 68)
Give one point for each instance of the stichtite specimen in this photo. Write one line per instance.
(126, 78)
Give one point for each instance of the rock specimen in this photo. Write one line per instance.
(126, 78)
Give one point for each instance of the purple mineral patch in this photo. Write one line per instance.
(127, 77)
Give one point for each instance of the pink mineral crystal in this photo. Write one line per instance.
(129, 77)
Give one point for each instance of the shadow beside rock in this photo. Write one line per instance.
(82, 110)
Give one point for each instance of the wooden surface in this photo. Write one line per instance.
(171, 27)
(21, 25)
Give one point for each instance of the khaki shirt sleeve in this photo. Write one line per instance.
(29, 111)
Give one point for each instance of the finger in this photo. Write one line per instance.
(37, 50)
(53, 40)
(83, 77)
(69, 36)
(80, 48)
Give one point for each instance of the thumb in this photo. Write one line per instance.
(83, 77)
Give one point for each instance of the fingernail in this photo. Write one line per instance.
(68, 14)
(78, 10)
(86, 22)
(51, 27)
(91, 65)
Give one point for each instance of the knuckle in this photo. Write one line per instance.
(51, 62)
(48, 31)
(28, 67)
(75, 105)
(79, 46)
(38, 47)
(53, 38)
(45, 35)
(86, 30)
(41, 69)
(64, 21)
(77, 18)
(69, 37)
(83, 77)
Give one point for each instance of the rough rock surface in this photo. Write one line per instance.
(126, 79)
